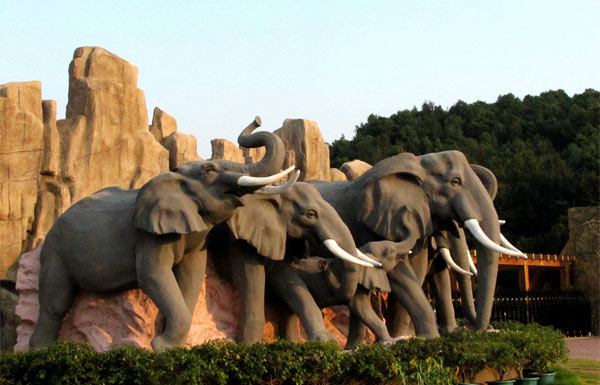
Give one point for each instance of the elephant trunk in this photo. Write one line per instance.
(477, 207)
(275, 151)
(487, 266)
(335, 231)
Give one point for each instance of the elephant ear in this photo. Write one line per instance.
(373, 278)
(404, 165)
(395, 209)
(260, 223)
(165, 206)
(488, 179)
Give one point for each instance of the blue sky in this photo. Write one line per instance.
(214, 65)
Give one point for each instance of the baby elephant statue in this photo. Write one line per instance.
(152, 238)
(322, 276)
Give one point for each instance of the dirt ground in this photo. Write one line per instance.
(584, 347)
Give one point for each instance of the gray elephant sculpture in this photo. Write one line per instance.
(379, 206)
(451, 241)
(152, 238)
(256, 245)
(323, 276)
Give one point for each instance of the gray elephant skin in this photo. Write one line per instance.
(400, 199)
(256, 245)
(322, 277)
(152, 238)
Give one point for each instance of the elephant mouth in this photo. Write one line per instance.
(247, 184)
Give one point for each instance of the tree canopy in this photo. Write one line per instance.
(543, 149)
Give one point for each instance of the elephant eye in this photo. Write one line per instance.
(456, 181)
(311, 214)
(208, 169)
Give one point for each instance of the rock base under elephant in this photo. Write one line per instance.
(131, 318)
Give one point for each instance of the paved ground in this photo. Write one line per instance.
(584, 347)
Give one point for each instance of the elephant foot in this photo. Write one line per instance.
(162, 342)
(430, 334)
(323, 336)
(450, 329)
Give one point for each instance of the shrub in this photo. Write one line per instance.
(415, 361)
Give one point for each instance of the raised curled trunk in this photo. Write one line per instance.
(275, 151)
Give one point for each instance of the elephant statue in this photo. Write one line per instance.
(255, 248)
(323, 275)
(152, 238)
(453, 239)
(401, 199)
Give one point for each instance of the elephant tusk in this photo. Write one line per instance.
(477, 231)
(251, 181)
(504, 242)
(366, 258)
(450, 262)
(472, 264)
(336, 250)
(501, 221)
(280, 188)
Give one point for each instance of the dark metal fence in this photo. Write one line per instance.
(567, 311)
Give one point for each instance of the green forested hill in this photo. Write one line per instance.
(543, 149)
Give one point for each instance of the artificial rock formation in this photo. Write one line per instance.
(336, 175)
(181, 147)
(584, 243)
(354, 168)
(305, 148)
(21, 155)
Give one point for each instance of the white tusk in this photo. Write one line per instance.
(501, 221)
(343, 254)
(477, 231)
(281, 187)
(450, 262)
(504, 242)
(250, 181)
(472, 264)
(366, 258)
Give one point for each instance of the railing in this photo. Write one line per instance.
(567, 310)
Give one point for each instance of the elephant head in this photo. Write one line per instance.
(438, 186)
(388, 254)
(202, 193)
(298, 213)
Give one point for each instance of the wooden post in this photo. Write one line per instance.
(565, 277)
(526, 275)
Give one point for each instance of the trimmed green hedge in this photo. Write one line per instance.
(412, 362)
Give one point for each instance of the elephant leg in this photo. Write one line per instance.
(189, 274)
(400, 323)
(154, 263)
(249, 278)
(290, 288)
(408, 289)
(442, 292)
(289, 328)
(56, 293)
(356, 332)
(415, 270)
(360, 305)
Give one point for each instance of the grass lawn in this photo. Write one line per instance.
(578, 372)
